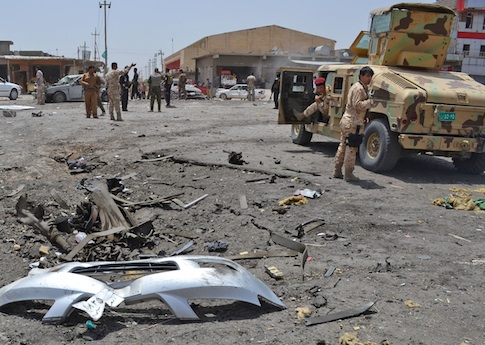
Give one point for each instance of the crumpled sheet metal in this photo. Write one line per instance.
(178, 280)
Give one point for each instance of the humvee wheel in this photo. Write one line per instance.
(300, 136)
(474, 165)
(380, 149)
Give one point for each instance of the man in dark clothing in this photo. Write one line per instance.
(134, 85)
(168, 80)
(275, 90)
(125, 87)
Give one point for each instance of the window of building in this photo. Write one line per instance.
(466, 49)
(483, 25)
(482, 50)
(469, 20)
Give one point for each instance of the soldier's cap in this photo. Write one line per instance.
(320, 81)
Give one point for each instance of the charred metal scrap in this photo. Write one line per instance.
(92, 286)
(101, 228)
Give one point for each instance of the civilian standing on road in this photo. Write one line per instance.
(125, 88)
(182, 82)
(167, 80)
(113, 86)
(353, 120)
(134, 85)
(251, 81)
(100, 101)
(91, 84)
(275, 90)
(209, 89)
(40, 85)
(154, 84)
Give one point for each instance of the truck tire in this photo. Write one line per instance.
(474, 165)
(300, 136)
(380, 149)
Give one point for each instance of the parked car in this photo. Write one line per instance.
(9, 90)
(239, 91)
(193, 92)
(69, 89)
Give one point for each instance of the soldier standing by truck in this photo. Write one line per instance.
(352, 125)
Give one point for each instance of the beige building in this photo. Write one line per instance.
(261, 50)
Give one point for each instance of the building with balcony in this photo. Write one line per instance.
(467, 48)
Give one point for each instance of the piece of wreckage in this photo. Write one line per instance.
(90, 286)
(102, 228)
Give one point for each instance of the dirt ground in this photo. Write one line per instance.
(383, 240)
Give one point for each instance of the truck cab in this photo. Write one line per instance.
(418, 108)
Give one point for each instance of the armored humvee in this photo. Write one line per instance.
(418, 107)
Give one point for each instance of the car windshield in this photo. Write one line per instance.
(66, 80)
(2, 80)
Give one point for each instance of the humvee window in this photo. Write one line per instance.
(338, 85)
(380, 23)
(299, 83)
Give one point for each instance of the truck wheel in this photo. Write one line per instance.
(299, 135)
(474, 165)
(380, 149)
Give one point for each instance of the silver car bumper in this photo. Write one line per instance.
(93, 285)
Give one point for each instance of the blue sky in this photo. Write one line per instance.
(137, 30)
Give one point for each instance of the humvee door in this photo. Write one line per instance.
(296, 93)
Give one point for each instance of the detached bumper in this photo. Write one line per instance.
(93, 285)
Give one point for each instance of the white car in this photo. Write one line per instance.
(9, 90)
(239, 91)
(193, 92)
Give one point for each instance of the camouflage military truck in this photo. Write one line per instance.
(418, 107)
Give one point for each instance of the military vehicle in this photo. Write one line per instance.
(418, 107)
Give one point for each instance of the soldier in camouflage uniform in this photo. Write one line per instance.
(182, 82)
(113, 87)
(154, 84)
(91, 84)
(358, 103)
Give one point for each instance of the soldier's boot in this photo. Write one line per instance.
(337, 171)
(349, 175)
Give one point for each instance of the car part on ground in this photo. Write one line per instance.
(90, 286)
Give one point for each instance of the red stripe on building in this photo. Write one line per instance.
(460, 5)
(473, 35)
(173, 65)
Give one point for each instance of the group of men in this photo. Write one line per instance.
(117, 83)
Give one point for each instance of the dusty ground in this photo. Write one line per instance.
(435, 256)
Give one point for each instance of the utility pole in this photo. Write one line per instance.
(105, 54)
(95, 44)
(84, 56)
(161, 60)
